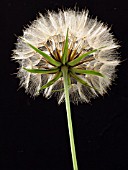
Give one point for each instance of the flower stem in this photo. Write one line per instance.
(70, 128)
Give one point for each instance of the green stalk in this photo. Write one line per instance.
(70, 128)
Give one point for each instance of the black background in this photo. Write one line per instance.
(33, 133)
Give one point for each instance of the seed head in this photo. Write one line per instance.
(66, 39)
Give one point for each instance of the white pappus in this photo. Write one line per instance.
(48, 34)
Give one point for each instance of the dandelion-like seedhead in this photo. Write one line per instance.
(66, 40)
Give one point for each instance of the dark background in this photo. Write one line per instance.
(33, 133)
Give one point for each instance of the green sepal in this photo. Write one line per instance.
(65, 51)
(40, 71)
(78, 59)
(91, 72)
(46, 56)
(56, 77)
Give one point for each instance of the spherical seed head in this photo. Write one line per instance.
(48, 34)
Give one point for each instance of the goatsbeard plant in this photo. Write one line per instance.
(68, 55)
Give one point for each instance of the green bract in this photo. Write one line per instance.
(65, 52)
(41, 71)
(56, 77)
(47, 57)
(64, 61)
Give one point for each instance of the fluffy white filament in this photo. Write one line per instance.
(84, 34)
